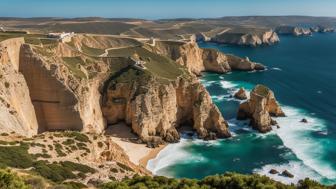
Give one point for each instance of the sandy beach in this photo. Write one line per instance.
(139, 154)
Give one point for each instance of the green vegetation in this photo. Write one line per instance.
(18, 157)
(261, 90)
(74, 63)
(125, 167)
(33, 39)
(226, 181)
(160, 66)
(92, 51)
(81, 137)
(9, 180)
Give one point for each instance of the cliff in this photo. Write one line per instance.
(259, 108)
(198, 60)
(292, 30)
(63, 99)
(17, 113)
(249, 37)
(155, 110)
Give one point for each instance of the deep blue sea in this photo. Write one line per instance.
(302, 73)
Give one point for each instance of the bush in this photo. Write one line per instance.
(225, 181)
(9, 180)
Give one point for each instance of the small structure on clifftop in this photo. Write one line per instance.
(62, 37)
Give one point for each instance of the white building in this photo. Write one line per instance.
(2, 29)
(63, 37)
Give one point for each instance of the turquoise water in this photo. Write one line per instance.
(302, 73)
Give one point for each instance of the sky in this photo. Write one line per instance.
(158, 9)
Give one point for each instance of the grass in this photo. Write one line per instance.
(92, 51)
(29, 38)
(261, 90)
(124, 167)
(73, 64)
(160, 66)
(18, 157)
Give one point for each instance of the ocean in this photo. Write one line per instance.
(302, 73)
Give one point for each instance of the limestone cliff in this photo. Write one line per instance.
(156, 110)
(198, 60)
(292, 30)
(249, 38)
(259, 108)
(62, 101)
(16, 110)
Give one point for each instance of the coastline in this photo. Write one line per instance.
(151, 155)
(138, 153)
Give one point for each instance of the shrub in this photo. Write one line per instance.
(9, 180)
(125, 167)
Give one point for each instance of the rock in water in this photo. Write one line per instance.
(241, 94)
(286, 173)
(259, 108)
(273, 171)
(304, 120)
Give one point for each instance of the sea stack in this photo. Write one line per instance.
(259, 108)
(241, 94)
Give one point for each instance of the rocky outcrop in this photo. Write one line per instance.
(259, 108)
(156, 110)
(292, 30)
(61, 100)
(202, 37)
(198, 60)
(322, 29)
(16, 110)
(241, 94)
(249, 38)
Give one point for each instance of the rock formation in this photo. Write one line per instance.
(292, 30)
(259, 108)
(249, 38)
(241, 94)
(198, 60)
(61, 100)
(16, 110)
(156, 110)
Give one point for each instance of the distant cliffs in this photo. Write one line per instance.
(301, 31)
(292, 30)
(267, 37)
(198, 60)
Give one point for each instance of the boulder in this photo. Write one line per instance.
(273, 172)
(259, 108)
(304, 120)
(286, 173)
(241, 94)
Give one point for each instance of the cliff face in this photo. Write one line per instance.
(61, 101)
(198, 60)
(248, 38)
(156, 110)
(259, 108)
(292, 30)
(16, 110)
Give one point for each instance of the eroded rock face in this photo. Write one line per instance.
(157, 110)
(267, 37)
(241, 94)
(259, 108)
(292, 30)
(61, 101)
(198, 60)
(17, 113)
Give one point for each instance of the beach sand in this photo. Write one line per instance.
(139, 154)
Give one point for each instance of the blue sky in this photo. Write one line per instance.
(154, 9)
